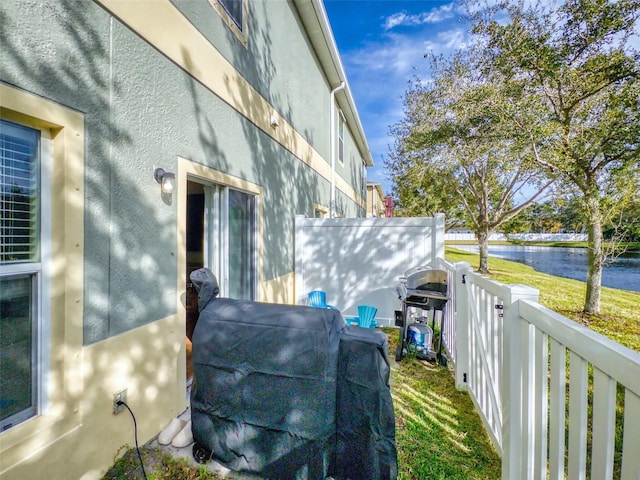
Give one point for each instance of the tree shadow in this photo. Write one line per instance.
(69, 53)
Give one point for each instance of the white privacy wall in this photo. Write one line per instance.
(358, 261)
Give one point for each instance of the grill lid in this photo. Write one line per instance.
(424, 287)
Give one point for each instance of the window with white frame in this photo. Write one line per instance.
(234, 9)
(21, 271)
(230, 223)
(234, 15)
(242, 227)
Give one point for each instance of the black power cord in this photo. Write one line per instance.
(135, 434)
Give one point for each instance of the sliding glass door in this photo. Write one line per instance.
(230, 240)
(242, 245)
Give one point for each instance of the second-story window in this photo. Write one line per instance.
(234, 9)
(234, 15)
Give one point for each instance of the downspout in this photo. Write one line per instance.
(332, 198)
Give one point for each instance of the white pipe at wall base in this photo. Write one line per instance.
(332, 199)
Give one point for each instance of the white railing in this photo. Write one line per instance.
(516, 359)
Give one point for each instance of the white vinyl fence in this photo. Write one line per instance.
(359, 261)
(539, 380)
(526, 237)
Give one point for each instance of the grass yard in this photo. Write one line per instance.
(438, 432)
(619, 320)
(620, 309)
(158, 465)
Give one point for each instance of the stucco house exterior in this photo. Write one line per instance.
(243, 105)
(375, 200)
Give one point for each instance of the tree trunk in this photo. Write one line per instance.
(595, 254)
(483, 246)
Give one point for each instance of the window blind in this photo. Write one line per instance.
(19, 168)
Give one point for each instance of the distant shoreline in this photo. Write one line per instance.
(630, 247)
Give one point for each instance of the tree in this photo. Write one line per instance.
(558, 214)
(626, 226)
(422, 193)
(575, 63)
(454, 140)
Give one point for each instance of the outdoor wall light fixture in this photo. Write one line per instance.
(166, 180)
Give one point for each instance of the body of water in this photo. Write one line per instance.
(567, 262)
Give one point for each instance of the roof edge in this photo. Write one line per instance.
(316, 22)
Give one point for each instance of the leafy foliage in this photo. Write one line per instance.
(456, 150)
(549, 91)
(575, 63)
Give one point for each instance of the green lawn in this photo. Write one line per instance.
(438, 432)
(620, 309)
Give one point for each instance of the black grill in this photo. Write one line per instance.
(427, 289)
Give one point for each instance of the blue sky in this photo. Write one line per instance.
(382, 44)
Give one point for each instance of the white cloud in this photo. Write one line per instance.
(453, 39)
(395, 56)
(379, 72)
(435, 15)
(395, 20)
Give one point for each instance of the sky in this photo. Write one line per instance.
(382, 44)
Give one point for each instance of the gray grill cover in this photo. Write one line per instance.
(365, 420)
(264, 393)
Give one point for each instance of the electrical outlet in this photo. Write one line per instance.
(119, 397)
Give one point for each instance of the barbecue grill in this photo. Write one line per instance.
(427, 289)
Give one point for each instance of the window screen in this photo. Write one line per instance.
(242, 245)
(341, 139)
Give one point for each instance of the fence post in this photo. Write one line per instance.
(461, 309)
(298, 266)
(437, 237)
(513, 457)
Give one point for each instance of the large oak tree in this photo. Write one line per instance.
(457, 151)
(546, 91)
(577, 64)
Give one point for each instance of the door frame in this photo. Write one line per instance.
(192, 171)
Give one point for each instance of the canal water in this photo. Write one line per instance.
(567, 262)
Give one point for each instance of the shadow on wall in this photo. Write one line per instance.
(290, 186)
(385, 299)
(209, 151)
(346, 258)
(359, 262)
(129, 232)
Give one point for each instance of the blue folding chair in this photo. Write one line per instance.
(318, 299)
